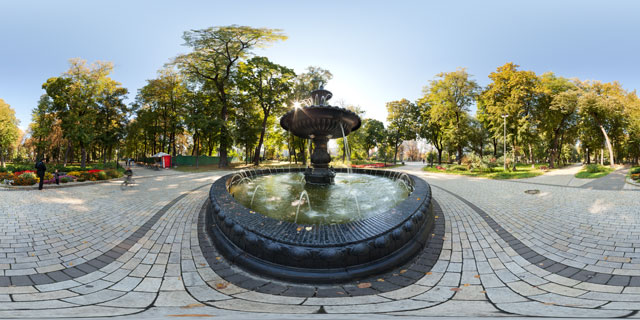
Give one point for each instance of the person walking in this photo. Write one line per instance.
(57, 176)
(41, 168)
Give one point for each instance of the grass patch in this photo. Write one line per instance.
(523, 171)
(593, 172)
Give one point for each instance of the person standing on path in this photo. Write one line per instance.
(41, 168)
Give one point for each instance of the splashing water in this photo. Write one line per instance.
(255, 191)
(302, 194)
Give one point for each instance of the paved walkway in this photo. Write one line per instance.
(613, 181)
(99, 251)
(561, 177)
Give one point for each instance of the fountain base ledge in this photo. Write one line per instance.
(319, 254)
(319, 176)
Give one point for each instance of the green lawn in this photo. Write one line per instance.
(523, 171)
(602, 171)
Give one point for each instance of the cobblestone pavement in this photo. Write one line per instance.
(97, 250)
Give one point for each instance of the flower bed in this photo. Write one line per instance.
(29, 177)
(371, 165)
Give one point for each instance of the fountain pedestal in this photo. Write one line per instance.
(320, 122)
(320, 174)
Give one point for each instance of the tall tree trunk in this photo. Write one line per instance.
(66, 154)
(196, 148)
(606, 138)
(459, 147)
(83, 160)
(2, 159)
(395, 153)
(495, 147)
(533, 166)
(256, 158)
(554, 152)
(223, 135)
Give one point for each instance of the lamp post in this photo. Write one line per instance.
(504, 116)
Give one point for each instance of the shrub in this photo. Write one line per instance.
(544, 168)
(6, 175)
(19, 173)
(482, 164)
(113, 173)
(458, 168)
(26, 179)
(101, 175)
(594, 168)
(65, 179)
(635, 176)
(635, 170)
(74, 173)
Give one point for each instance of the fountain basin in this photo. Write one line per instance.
(319, 253)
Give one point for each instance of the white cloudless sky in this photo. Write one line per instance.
(378, 51)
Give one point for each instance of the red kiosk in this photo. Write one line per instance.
(165, 159)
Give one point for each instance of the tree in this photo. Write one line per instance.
(556, 112)
(513, 93)
(450, 98)
(602, 105)
(401, 115)
(111, 118)
(75, 96)
(477, 136)
(429, 129)
(216, 54)
(270, 84)
(166, 101)
(373, 133)
(9, 131)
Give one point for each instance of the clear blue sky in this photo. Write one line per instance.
(378, 51)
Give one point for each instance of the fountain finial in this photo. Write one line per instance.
(320, 96)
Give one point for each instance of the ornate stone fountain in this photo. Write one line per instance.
(259, 219)
(320, 122)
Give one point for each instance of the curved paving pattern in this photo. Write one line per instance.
(480, 270)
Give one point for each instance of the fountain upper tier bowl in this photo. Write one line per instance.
(312, 121)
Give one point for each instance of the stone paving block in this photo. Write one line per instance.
(406, 292)
(174, 299)
(543, 310)
(252, 306)
(556, 299)
(524, 288)
(132, 300)
(491, 281)
(503, 295)
(28, 305)
(206, 293)
(75, 312)
(149, 285)
(470, 293)
(437, 294)
(456, 308)
(268, 298)
(92, 287)
(392, 306)
(431, 279)
(40, 296)
(95, 297)
(562, 290)
(127, 284)
(172, 284)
